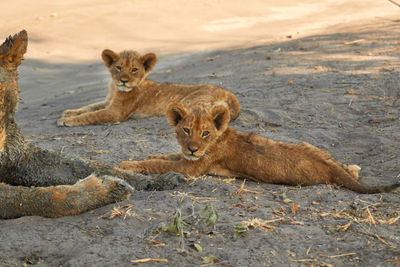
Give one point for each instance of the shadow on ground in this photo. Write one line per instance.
(338, 91)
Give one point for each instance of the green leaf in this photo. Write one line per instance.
(208, 259)
(240, 229)
(204, 210)
(212, 215)
(198, 247)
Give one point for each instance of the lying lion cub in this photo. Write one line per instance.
(34, 181)
(210, 147)
(130, 92)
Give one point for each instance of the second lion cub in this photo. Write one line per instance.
(209, 146)
(130, 92)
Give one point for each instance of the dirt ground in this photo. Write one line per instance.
(338, 90)
(78, 30)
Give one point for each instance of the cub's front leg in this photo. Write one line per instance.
(85, 109)
(96, 117)
(161, 166)
(172, 157)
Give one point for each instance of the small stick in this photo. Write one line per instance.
(148, 260)
(340, 255)
(304, 260)
(393, 260)
(371, 219)
(393, 220)
(273, 220)
(242, 189)
(156, 243)
(381, 239)
(326, 264)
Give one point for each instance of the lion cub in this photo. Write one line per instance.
(130, 92)
(34, 181)
(209, 146)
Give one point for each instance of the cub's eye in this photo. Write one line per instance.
(186, 130)
(119, 68)
(134, 70)
(205, 134)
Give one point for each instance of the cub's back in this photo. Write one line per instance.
(208, 96)
(155, 97)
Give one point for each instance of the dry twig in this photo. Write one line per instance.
(380, 239)
(303, 260)
(121, 211)
(156, 243)
(337, 256)
(371, 219)
(242, 189)
(148, 260)
(182, 196)
(258, 223)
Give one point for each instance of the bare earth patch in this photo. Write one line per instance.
(339, 90)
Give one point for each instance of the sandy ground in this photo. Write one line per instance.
(322, 77)
(78, 30)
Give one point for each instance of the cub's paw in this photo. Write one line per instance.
(111, 188)
(65, 122)
(116, 188)
(354, 170)
(72, 112)
(132, 166)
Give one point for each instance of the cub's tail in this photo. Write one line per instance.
(345, 180)
(379, 189)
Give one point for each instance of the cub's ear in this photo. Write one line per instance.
(13, 49)
(221, 117)
(175, 113)
(109, 57)
(149, 60)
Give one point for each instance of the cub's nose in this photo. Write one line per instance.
(123, 81)
(192, 149)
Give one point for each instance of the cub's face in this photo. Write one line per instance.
(128, 68)
(197, 130)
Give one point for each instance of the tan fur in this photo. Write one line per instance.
(130, 92)
(209, 146)
(24, 166)
(61, 200)
(2, 138)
